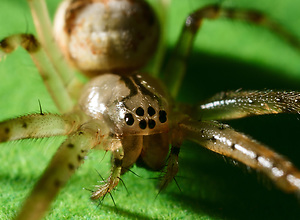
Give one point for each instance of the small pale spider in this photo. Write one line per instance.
(126, 111)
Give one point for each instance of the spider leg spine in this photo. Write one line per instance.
(114, 178)
(38, 126)
(226, 141)
(238, 104)
(67, 159)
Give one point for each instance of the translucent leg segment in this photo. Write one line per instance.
(44, 29)
(176, 67)
(67, 159)
(224, 140)
(238, 104)
(113, 179)
(50, 76)
(38, 126)
(172, 167)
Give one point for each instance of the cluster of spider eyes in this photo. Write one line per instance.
(143, 123)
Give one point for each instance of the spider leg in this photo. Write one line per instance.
(43, 26)
(38, 126)
(223, 140)
(64, 163)
(175, 69)
(172, 167)
(49, 74)
(162, 12)
(114, 178)
(238, 104)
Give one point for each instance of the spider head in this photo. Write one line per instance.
(106, 35)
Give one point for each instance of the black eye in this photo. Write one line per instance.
(129, 119)
(143, 124)
(162, 116)
(151, 111)
(151, 124)
(139, 111)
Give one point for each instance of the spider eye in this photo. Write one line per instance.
(151, 124)
(143, 124)
(151, 111)
(129, 119)
(162, 116)
(140, 111)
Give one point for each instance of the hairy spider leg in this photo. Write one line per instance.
(39, 126)
(58, 76)
(176, 67)
(239, 104)
(64, 163)
(116, 169)
(49, 74)
(222, 139)
(83, 134)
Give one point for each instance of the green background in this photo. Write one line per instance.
(227, 56)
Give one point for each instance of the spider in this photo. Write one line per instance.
(128, 119)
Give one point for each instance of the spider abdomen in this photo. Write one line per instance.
(100, 36)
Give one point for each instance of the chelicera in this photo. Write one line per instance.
(129, 113)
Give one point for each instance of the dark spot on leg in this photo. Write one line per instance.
(80, 133)
(79, 158)
(233, 147)
(3, 44)
(57, 183)
(30, 43)
(82, 151)
(118, 162)
(257, 156)
(213, 139)
(175, 150)
(71, 166)
(24, 125)
(6, 130)
(70, 146)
